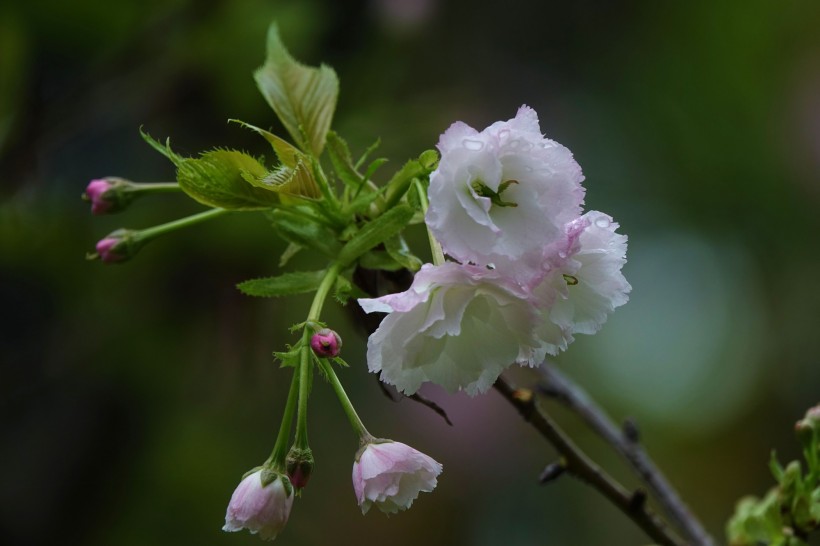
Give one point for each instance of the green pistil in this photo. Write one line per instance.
(482, 190)
(571, 281)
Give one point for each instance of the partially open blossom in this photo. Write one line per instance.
(458, 326)
(326, 343)
(585, 283)
(261, 504)
(391, 475)
(502, 195)
(96, 193)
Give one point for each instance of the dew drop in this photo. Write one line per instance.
(504, 133)
(473, 145)
(562, 254)
(602, 222)
(513, 143)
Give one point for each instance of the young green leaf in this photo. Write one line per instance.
(342, 162)
(302, 230)
(384, 227)
(379, 259)
(218, 179)
(398, 250)
(303, 97)
(286, 284)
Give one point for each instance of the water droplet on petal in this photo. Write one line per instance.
(602, 222)
(513, 143)
(562, 254)
(527, 168)
(527, 146)
(504, 133)
(473, 145)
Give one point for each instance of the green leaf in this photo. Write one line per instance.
(400, 252)
(384, 227)
(303, 97)
(305, 231)
(282, 285)
(164, 149)
(288, 154)
(342, 161)
(379, 259)
(219, 179)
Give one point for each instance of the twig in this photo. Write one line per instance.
(633, 505)
(424, 401)
(625, 442)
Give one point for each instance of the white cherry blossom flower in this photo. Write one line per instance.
(261, 504)
(500, 196)
(391, 475)
(584, 284)
(458, 326)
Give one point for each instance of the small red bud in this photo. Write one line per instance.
(326, 343)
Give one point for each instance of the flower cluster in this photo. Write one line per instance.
(530, 269)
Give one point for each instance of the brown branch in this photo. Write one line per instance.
(633, 505)
(625, 441)
(423, 400)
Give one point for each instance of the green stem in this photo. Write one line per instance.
(154, 187)
(349, 410)
(280, 448)
(305, 363)
(435, 247)
(150, 233)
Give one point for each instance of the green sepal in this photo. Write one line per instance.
(304, 230)
(339, 361)
(303, 97)
(290, 358)
(388, 225)
(285, 284)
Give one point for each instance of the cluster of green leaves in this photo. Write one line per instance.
(790, 511)
(346, 216)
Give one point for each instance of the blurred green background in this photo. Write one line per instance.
(133, 397)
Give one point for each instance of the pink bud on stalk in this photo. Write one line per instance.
(117, 246)
(97, 192)
(326, 343)
(107, 250)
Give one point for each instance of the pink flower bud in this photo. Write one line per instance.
(261, 504)
(391, 475)
(106, 249)
(96, 193)
(326, 343)
(299, 463)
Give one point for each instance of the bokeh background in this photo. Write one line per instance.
(133, 397)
